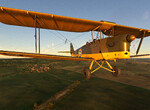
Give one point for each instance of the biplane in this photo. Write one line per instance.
(102, 49)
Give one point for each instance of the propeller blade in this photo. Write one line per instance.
(139, 45)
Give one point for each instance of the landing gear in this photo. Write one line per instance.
(86, 73)
(117, 71)
(89, 70)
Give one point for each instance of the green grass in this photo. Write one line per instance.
(20, 90)
(100, 94)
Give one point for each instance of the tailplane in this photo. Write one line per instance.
(71, 50)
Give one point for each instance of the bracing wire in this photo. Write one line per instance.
(66, 40)
(63, 36)
(56, 35)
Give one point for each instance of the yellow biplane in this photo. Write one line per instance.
(99, 51)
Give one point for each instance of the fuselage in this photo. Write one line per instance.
(117, 47)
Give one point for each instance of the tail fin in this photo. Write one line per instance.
(71, 48)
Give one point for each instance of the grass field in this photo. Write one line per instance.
(24, 82)
(101, 94)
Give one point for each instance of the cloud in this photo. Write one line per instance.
(145, 15)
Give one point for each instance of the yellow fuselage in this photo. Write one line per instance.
(108, 49)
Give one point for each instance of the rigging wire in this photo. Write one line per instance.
(74, 38)
(66, 40)
(62, 36)
(56, 35)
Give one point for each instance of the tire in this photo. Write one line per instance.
(86, 73)
(117, 71)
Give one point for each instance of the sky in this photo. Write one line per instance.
(135, 13)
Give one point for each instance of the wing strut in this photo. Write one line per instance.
(35, 21)
(35, 35)
(39, 41)
(140, 43)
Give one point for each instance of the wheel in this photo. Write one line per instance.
(86, 73)
(117, 71)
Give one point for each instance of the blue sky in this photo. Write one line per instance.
(134, 13)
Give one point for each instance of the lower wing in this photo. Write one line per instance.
(135, 56)
(43, 56)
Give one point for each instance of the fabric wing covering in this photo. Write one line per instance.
(43, 56)
(55, 22)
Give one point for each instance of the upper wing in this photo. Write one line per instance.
(46, 21)
(43, 56)
(56, 22)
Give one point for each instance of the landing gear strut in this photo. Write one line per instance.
(89, 70)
